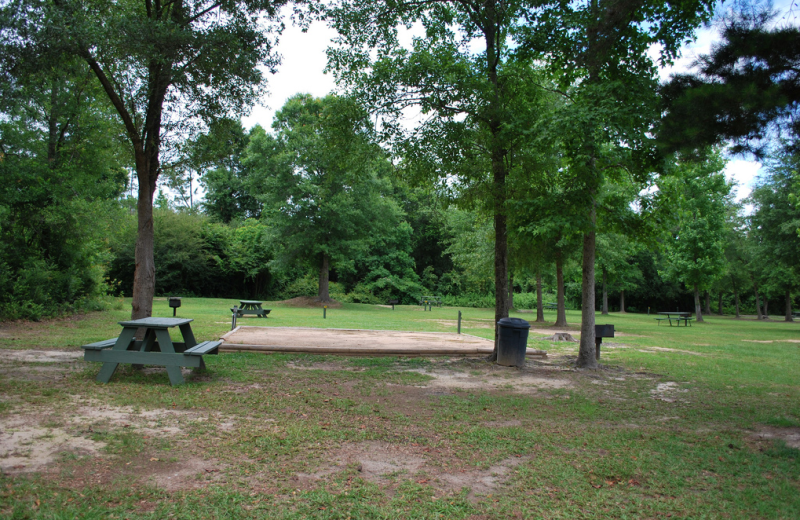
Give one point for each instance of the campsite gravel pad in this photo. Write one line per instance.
(355, 342)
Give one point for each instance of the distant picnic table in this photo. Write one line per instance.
(677, 317)
(432, 300)
(157, 348)
(250, 307)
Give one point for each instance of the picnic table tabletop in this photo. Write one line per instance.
(156, 323)
(251, 302)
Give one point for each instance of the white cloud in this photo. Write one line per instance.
(744, 173)
(301, 71)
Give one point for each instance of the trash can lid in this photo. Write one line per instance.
(514, 323)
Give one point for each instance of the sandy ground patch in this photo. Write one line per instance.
(39, 356)
(327, 367)
(501, 378)
(38, 365)
(667, 392)
(772, 340)
(28, 442)
(383, 463)
(791, 436)
(26, 445)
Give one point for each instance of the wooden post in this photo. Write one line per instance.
(233, 319)
(324, 312)
(459, 322)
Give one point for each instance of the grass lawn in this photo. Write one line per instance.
(696, 422)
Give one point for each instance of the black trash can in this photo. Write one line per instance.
(513, 342)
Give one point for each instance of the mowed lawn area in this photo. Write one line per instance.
(680, 422)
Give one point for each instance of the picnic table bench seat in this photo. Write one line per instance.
(100, 345)
(206, 347)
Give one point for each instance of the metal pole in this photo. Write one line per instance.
(233, 319)
(324, 312)
(459, 322)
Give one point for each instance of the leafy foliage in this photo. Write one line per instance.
(59, 166)
(746, 86)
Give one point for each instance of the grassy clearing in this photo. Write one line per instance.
(694, 422)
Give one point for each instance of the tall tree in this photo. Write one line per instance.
(599, 49)
(698, 196)
(323, 182)
(774, 222)
(463, 76)
(163, 66)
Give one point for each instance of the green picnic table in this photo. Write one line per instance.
(431, 300)
(250, 307)
(157, 348)
(677, 317)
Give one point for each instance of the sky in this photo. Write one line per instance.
(304, 61)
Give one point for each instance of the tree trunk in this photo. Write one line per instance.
(788, 315)
(697, 309)
(510, 292)
(605, 294)
(622, 301)
(735, 296)
(587, 350)
(324, 271)
(498, 152)
(766, 308)
(758, 299)
(561, 311)
(144, 276)
(539, 305)
(707, 309)
(719, 303)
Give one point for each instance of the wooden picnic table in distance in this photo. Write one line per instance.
(677, 316)
(157, 348)
(432, 300)
(251, 307)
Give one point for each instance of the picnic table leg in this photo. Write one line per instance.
(147, 345)
(165, 343)
(108, 368)
(188, 336)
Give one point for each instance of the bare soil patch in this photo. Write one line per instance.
(307, 302)
(386, 464)
(39, 356)
(38, 365)
(791, 436)
(495, 378)
(33, 439)
(772, 340)
(668, 392)
(327, 367)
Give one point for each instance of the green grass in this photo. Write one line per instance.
(604, 446)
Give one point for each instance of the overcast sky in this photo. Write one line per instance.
(304, 61)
